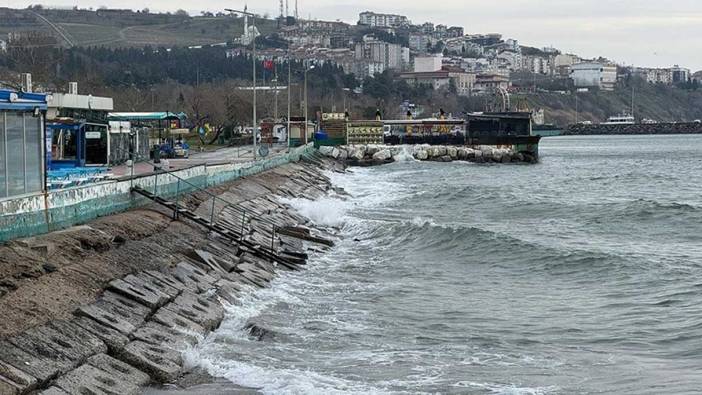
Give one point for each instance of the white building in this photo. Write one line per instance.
(388, 56)
(426, 64)
(680, 75)
(594, 75)
(510, 60)
(562, 64)
(372, 19)
(3, 46)
(536, 64)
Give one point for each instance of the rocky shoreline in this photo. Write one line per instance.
(108, 307)
(373, 155)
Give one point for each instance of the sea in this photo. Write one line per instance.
(578, 275)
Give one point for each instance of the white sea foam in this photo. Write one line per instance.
(324, 211)
(405, 155)
(509, 389)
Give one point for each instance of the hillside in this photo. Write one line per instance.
(656, 102)
(125, 28)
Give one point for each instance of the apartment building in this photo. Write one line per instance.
(594, 75)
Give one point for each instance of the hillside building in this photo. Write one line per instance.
(380, 54)
(427, 64)
(490, 82)
(594, 75)
(373, 19)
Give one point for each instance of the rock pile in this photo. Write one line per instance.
(370, 155)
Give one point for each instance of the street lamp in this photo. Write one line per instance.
(253, 44)
(289, 87)
(307, 69)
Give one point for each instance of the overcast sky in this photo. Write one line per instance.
(640, 32)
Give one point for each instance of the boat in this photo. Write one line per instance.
(622, 119)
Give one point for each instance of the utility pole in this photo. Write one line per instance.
(576, 106)
(275, 87)
(253, 58)
(307, 69)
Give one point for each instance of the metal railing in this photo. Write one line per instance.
(159, 170)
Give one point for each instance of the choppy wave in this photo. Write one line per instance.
(548, 279)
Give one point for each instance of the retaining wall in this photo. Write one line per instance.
(42, 213)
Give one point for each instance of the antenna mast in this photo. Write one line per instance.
(296, 13)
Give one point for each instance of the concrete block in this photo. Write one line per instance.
(147, 296)
(193, 277)
(176, 321)
(166, 278)
(118, 369)
(256, 270)
(88, 379)
(161, 364)
(43, 354)
(53, 391)
(106, 318)
(130, 310)
(207, 313)
(72, 341)
(150, 283)
(213, 261)
(112, 337)
(244, 278)
(228, 290)
(161, 335)
(14, 380)
(40, 366)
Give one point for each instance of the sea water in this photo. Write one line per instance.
(582, 274)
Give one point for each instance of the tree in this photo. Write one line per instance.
(182, 12)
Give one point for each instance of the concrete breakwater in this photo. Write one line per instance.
(108, 307)
(369, 155)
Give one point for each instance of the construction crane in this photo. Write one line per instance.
(282, 14)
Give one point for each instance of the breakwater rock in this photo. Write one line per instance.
(371, 155)
(110, 306)
(636, 129)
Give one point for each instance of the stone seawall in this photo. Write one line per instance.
(370, 155)
(108, 307)
(642, 128)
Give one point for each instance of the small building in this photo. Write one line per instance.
(443, 78)
(22, 148)
(594, 75)
(78, 128)
(427, 64)
(679, 75)
(436, 79)
(152, 129)
(490, 82)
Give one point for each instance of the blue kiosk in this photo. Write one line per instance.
(22, 152)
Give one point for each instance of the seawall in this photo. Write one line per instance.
(109, 307)
(41, 213)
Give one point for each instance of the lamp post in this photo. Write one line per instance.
(307, 69)
(253, 45)
(289, 87)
